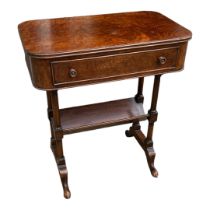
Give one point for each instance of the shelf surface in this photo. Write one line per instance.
(101, 115)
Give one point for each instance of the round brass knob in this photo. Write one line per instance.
(162, 60)
(72, 73)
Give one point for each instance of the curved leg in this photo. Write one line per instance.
(61, 164)
(56, 140)
(146, 145)
(150, 154)
(64, 179)
(135, 130)
(152, 118)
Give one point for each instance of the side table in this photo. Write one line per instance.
(73, 51)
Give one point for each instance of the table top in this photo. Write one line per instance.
(68, 35)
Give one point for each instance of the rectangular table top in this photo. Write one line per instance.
(68, 35)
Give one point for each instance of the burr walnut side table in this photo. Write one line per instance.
(73, 51)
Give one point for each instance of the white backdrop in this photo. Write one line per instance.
(106, 169)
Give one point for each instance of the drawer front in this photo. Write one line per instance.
(95, 69)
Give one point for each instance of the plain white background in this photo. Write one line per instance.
(106, 169)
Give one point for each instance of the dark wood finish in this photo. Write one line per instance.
(139, 96)
(146, 142)
(56, 139)
(101, 48)
(69, 52)
(110, 67)
(60, 36)
(101, 115)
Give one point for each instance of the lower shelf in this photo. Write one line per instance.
(88, 117)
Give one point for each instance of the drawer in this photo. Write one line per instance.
(94, 69)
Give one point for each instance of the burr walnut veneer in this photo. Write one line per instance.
(73, 51)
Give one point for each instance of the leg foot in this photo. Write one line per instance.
(150, 154)
(62, 169)
(67, 194)
(56, 139)
(146, 145)
(64, 179)
(135, 130)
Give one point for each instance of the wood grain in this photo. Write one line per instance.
(88, 117)
(101, 48)
(74, 51)
(110, 67)
(89, 33)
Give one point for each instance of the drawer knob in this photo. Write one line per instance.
(162, 60)
(72, 73)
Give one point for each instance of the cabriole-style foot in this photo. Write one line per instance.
(150, 154)
(62, 169)
(64, 178)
